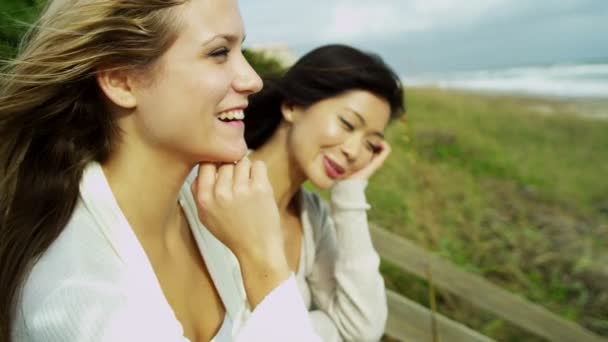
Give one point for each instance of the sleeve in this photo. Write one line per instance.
(345, 281)
(324, 326)
(281, 316)
(96, 313)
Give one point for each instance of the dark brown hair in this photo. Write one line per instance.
(322, 73)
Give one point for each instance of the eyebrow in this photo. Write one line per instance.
(231, 38)
(362, 119)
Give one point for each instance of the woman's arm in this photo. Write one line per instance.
(236, 204)
(345, 281)
(281, 316)
(324, 326)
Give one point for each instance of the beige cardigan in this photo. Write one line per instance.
(339, 275)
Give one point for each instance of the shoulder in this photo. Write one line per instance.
(78, 290)
(80, 308)
(79, 256)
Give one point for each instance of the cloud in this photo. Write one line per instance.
(419, 35)
(279, 21)
(359, 19)
(341, 20)
(352, 20)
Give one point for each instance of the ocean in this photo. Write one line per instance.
(568, 80)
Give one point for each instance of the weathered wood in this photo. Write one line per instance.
(481, 293)
(410, 321)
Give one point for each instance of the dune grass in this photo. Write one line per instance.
(506, 191)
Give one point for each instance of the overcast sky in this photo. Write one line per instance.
(437, 35)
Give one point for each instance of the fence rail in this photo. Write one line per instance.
(410, 321)
(416, 260)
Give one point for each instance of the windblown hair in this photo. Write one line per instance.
(322, 73)
(54, 119)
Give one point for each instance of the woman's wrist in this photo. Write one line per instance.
(262, 274)
(349, 194)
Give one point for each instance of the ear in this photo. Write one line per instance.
(288, 109)
(117, 86)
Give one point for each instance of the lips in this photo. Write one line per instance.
(333, 169)
(232, 117)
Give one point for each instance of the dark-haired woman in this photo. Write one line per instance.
(324, 122)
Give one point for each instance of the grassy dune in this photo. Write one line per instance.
(513, 189)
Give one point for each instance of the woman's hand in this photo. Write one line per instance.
(377, 161)
(236, 203)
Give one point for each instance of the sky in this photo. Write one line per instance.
(417, 36)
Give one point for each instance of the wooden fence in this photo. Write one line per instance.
(409, 321)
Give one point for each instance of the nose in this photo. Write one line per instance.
(247, 81)
(352, 147)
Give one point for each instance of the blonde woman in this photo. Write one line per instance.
(324, 122)
(103, 115)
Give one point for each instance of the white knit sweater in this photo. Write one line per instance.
(95, 283)
(339, 274)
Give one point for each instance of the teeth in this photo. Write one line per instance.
(232, 115)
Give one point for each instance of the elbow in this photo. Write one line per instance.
(366, 334)
(369, 329)
(375, 328)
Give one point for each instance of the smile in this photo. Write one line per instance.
(333, 169)
(232, 115)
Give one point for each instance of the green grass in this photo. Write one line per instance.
(506, 192)
(15, 18)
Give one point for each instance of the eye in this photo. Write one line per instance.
(349, 127)
(372, 147)
(220, 53)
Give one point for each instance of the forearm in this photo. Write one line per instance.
(349, 214)
(359, 303)
(281, 316)
(324, 326)
(261, 275)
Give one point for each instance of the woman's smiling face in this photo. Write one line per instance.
(337, 136)
(203, 76)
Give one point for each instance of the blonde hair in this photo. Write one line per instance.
(53, 120)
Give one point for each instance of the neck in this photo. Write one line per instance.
(146, 185)
(285, 177)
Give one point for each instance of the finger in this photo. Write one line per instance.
(259, 173)
(379, 158)
(385, 150)
(194, 184)
(223, 185)
(205, 181)
(242, 172)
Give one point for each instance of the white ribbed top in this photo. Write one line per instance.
(95, 283)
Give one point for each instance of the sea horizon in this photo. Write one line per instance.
(585, 79)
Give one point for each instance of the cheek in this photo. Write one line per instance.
(311, 138)
(329, 134)
(198, 86)
(214, 83)
(209, 91)
(362, 161)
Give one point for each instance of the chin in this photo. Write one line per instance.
(316, 176)
(322, 183)
(228, 155)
